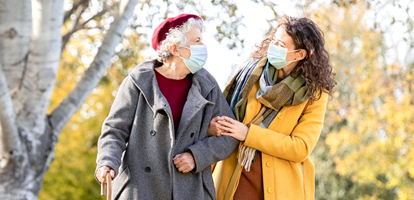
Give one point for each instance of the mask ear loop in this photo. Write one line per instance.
(298, 51)
(295, 50)
(295, 58)
(186, 48)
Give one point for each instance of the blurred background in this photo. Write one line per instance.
(366, 147)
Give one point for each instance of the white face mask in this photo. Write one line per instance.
(197, 58)
(276, 55)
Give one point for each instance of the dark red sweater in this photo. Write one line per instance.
(175, 91)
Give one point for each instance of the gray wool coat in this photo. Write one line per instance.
(138, 139)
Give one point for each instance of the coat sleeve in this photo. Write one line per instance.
(297, 145)
(117, 126)
(213, 149)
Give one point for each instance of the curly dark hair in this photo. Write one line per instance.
(315, 67)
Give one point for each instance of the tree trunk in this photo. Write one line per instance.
(30, 46)
(68, 107)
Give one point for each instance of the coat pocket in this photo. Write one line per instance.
(119, 183)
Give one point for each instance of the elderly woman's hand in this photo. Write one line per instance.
(214, 128)
(101, 173)
(184, 162)
(233, 128)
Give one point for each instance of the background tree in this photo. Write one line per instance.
(30, 50)
(364, 151)
(32, 36)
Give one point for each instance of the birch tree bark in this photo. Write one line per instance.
(30, 50)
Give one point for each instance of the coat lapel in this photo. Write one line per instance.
(194, 106)
(144, 78)
(196, 100)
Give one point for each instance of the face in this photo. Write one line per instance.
(282, 39)
(194, 37)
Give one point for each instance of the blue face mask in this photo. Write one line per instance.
(276, 55)
(197, 58)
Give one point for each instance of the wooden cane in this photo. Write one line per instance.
(106, 188)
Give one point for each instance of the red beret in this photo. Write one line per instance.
(160, 33)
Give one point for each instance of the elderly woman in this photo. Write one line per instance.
(279, 98)
(154, 142)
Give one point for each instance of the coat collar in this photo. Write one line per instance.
(144, 78)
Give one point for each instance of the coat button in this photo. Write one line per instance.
(268, 164)
(153, 133)
(192, 135)
(148, 169)
(270, 190)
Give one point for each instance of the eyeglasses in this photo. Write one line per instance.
(277, 43)
(280, 43)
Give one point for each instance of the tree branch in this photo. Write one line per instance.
(77, 26)
(74, 7)
(95, 16)
(9, 136)
(68, 107)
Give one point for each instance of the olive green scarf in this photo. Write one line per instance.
(291, 91)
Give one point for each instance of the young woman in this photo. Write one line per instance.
(154, 141)
(279, 98)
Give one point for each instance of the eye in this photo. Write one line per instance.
(277, 43)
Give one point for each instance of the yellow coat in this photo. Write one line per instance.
(288, 173)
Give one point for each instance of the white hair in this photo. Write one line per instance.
(178, 36)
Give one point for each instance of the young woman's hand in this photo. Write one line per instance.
(233, 128)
